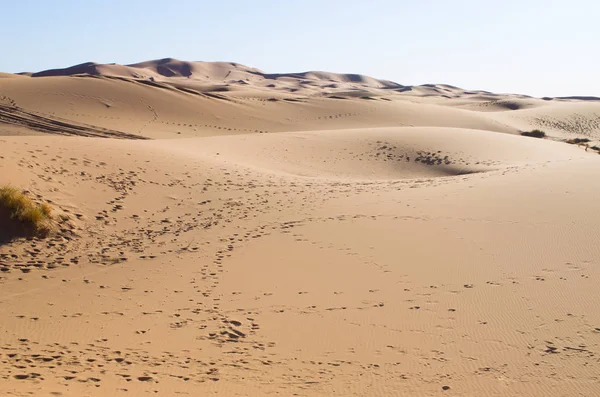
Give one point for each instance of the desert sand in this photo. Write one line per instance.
(231, 232)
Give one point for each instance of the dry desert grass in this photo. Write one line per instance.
(20, 207)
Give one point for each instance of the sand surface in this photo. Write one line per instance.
(246, 234)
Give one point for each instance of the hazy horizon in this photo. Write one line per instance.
(542, 48)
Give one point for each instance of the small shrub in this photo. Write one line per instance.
(20, 207)
(534, 133)
(576, 141)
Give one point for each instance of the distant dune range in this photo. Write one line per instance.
(242, 233)
(168, 98)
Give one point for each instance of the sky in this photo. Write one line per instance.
(533, 47)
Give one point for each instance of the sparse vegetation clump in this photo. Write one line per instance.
(577, 141)
(534, 133)
(18, 206)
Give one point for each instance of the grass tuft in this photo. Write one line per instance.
(534, 133)
(22, 208)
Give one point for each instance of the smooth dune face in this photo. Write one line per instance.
(246, 234)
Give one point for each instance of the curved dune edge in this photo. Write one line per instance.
(376, 153)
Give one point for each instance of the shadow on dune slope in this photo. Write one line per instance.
(20, 117)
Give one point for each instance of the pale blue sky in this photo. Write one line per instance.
(535, 47)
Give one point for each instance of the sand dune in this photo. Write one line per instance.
(214, 71)
(379, 153)
(174, 99)
(309, 234)
(561, 119)
(170, 112)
